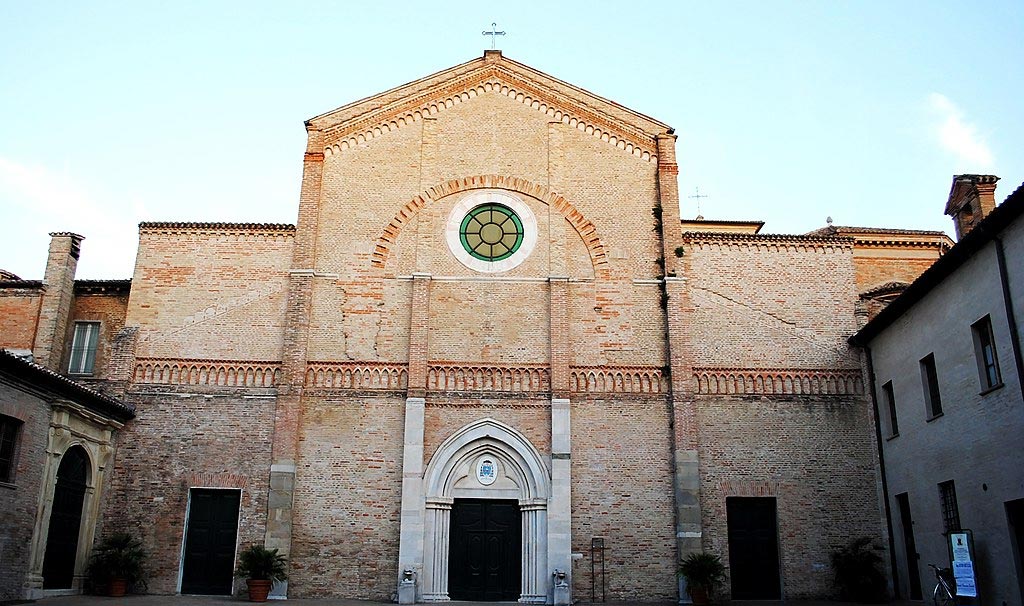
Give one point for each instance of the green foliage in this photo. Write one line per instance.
(704, 570)
(680, 251)
(858, 571)
(118, 556)
(258, 562)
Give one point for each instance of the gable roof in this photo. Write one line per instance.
(983, 233)
(351, 124)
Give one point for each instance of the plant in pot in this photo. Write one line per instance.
(117, 564)
(858, 570)
(704, 573)
(261, 568)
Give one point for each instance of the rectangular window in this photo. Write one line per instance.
(985, 352)
(83, 348)
(890, 401)
(8, 440)
(950, 511)
(930, 380)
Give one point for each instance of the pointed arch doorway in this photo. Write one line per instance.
(485, 532)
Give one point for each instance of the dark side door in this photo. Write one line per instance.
(209, 561)
(485, 552)
(753, 548)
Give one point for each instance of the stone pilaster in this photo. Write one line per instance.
(560, 503)
(53, 328)
(435, 569)
(534, 564)
(410, 550)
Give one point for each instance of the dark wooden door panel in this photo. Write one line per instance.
(485, 552)
(753, 548)
(65, 520)
(210, 543)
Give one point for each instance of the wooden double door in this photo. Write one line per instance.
(486, 550)
(209, 562)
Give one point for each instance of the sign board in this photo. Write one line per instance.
(961, 549)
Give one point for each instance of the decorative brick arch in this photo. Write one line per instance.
(583, 226)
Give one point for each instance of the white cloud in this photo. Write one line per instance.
(959, 136)
(35, 200)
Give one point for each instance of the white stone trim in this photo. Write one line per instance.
(491, 196)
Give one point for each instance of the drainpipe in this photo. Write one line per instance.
(881, 468)
(1011, 319)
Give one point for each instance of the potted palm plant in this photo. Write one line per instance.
(261, 568)
(117, 564)
(704, 573)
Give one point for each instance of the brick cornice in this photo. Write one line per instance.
(228, 229)
(492, 79)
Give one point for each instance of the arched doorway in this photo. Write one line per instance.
(66, 519)
(487, 491)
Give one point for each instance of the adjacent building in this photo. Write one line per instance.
(948, 384)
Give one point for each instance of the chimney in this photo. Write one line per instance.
(55, 310)
(971, 199)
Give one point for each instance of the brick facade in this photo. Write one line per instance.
(651, 372)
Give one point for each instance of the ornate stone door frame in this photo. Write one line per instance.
(525, 476)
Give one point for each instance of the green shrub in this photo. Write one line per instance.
(258, 562)
(858, 571)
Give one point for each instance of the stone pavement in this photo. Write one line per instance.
(180, 600)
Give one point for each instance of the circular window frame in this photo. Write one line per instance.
(480, 198)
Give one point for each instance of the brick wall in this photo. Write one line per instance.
(107, 309)
(212, 439)
(210, 292)
(348, 495)
(19, 313)
(622, 491)
(761, 302)
(19, 500)
(814, 454)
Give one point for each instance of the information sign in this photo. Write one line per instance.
(962, 552)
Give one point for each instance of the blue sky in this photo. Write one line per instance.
(119, 112)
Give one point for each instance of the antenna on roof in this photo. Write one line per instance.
(698, 196)
(494, 33)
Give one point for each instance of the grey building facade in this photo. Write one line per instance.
(948, 387)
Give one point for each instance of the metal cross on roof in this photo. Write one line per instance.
(494, 33)
(698, 196)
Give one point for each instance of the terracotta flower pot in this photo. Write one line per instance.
(117, 588)
(699, 595)
(258, 589)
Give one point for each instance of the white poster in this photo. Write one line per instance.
(963, 565)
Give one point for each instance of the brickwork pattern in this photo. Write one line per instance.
(348, 495)
(622, 491)
(20, 499)
(210, 292)
(769, 303)
(107, 309)
(187, 439)
(19, 313)
(815, 455)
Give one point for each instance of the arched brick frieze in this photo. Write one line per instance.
(586, 230)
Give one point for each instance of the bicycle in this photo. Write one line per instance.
(944, 593)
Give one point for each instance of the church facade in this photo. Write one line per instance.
(488, 362)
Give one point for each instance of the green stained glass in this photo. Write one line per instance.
(491, 232)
